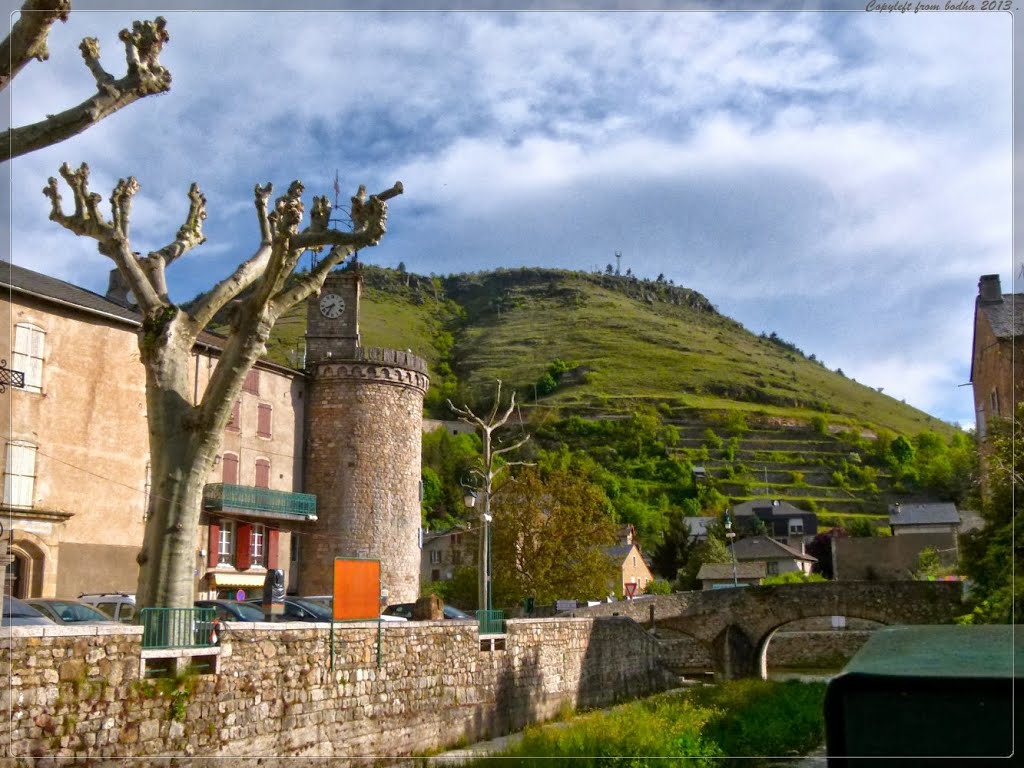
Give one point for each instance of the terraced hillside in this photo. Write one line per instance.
(796, 464)
(763, 417)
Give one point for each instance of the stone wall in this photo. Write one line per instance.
(78, 692)
(363, 462)
(825, 648)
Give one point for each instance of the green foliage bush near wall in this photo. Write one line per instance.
(739, 719)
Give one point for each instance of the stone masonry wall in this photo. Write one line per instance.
(78, 692)
(363, 444)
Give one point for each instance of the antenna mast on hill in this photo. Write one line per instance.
(618, 262)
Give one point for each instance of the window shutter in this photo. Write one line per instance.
(243, 556)
(272, 547)
(252, 382)
(263, 413)
(262, 473)
(230, 469)
(212, 552)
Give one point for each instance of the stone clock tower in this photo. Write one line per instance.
(363, 432)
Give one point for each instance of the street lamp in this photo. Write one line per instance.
(484, 590)
(730, 534)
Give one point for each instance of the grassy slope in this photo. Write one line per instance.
(682, 354)
(653, 351)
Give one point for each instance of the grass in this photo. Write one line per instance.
(743, 719)
(514, 324)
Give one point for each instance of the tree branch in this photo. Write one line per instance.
(369, 218)
(27, 39)
(112, 237)
(145, 76)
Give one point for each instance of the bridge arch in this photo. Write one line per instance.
(764, 641)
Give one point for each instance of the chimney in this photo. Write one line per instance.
(117, 289)
(989, 289)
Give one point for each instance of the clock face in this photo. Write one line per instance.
(332, 305)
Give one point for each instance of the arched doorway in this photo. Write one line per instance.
(23, 576)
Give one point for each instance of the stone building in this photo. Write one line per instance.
(997, 375)
(76, 475)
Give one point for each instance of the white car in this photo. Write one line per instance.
(120, 606)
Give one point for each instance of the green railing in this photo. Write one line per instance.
(177, 627)
(491, 622)
(251, 499)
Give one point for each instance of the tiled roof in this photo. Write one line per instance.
(778, 508)
(619, 551)
(943, 513)
(25, 281)
(747, 570)
(1006, 317)
(767, 548)
(33, 283)
(698, 525)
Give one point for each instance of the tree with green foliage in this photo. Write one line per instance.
(712, 550)
(460, 590)
(550, 535)
(447, 461)
(991, 557)
(672, 552)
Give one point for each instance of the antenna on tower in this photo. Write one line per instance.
(343, 219)
(618, 262)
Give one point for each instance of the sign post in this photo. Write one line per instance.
(356, 594)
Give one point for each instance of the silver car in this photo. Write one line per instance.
(18, 614)
(69, 611)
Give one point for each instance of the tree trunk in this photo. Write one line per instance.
(181, 457)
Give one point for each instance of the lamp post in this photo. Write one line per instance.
(730, 534)
(484, 589)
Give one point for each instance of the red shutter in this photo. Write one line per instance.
(262, 473)
(263, 412)
(243, 555)
(271, 547)
(212, 555)
(230, 469)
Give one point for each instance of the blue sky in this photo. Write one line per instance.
(839, 178)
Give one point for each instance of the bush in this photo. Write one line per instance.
(819, 424)
(658, 587)
(793, 577)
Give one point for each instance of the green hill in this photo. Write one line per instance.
(762, 417)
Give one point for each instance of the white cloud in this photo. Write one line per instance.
(813, 174)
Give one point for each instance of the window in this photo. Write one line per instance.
(435, 575)
(20, 474)
(230, 469)
(226, 543)
(263, 412)
(262, 473)
(796, 526)
(773, 567)
(29, 343)
(252, 382)
(435, 556)
(235, 422)
(257, 537)
(993, 399)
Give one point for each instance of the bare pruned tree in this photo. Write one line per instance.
(184, 435)
(487, 475)
(28, 40)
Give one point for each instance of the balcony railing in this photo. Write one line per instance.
(178, 627)
(250, 500)
(491, 622)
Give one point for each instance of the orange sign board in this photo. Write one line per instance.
(356, 589)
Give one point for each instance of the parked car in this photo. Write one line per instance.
(405, 611)
(19, 614)
(120, 606)
(299, 609)
(328, 601)
(69, 611)
(232, 610)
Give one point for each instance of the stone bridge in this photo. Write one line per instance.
(736, 625)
